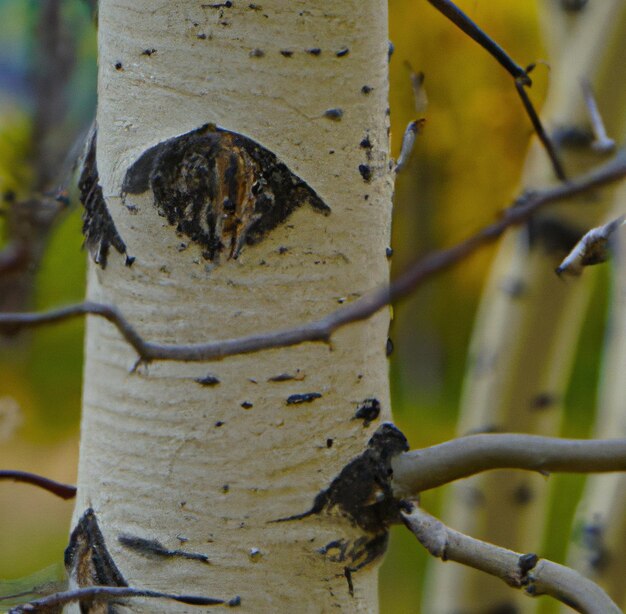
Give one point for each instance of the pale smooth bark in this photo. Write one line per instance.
(161, 456)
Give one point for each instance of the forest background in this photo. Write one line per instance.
(465, 168)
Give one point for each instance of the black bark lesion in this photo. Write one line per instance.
(219, 188)
(89, 563)
(98, 227)
(362, 493)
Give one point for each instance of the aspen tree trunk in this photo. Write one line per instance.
(205, 468)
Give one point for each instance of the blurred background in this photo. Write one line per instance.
(464, 169)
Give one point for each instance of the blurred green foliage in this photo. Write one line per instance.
(464, 169)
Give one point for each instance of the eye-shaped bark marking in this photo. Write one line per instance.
(219, 188)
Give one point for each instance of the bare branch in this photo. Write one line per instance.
(519, 74)
(408, 141)
(528, 572)
(65, 491)
(361, 309)
(463, 22)
(602, 142)
(539, 129)
(110, 593)
(593, 248)
(420, 470)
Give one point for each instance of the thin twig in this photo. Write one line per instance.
(110, 593)
(65, 491)
(593, 248)
(361, 309)
(520, 75)
(528, 572)
(408, 141)
(463, 22)
(602, 143)
(539, 129)
(419, 470)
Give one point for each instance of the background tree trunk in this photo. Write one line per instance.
(163, 457)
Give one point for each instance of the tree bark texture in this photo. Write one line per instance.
(205, 467)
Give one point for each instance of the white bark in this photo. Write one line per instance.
(153, 460)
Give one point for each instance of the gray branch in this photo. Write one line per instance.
(528, 572)
(420, 470)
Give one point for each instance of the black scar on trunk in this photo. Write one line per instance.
(88, 561)
(363, 494)
(219, 188)
(98, 227)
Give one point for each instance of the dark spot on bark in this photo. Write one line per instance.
(286, 53)
(118, 66)
(87, 559)
(473, 497)
(255, 7)
(366, 143)
(592, 540)
(219, 188)
(573, 6)
(503, 608)
(366, 89)
(218, 5)
(208, 380)
(219, 423)
(366, 172)
(98, 227)
(334, 114)
(153, 548)
(389, 347)
(544, 400)
(553, 234)
(314, 51)
(329, 442)
(235, 601)
(257, 53)
(368, 411)
(526, 562)
(202, 36)
(247, 405)
(306, 397)
(523, 494)
(282, 250)
(347, 572)
(390, 50)
(344, 51)
(572, 137)
(389, 252)
(225, 488)
(362, 494)
(515, 288)
(148, 52)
